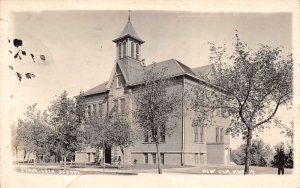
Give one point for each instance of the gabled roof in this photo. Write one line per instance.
(133, 73)
(98, 89)
(203, 72)
(131, 70)
(129, 31)
(172, 68)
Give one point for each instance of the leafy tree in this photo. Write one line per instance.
(66, 121)
(260, 154)
(97, 133)
(16, 142)
(249, 86)
(32, 132)
(122, 134)
(155, 105)
(288, 153)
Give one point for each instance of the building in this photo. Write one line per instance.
(188, 145)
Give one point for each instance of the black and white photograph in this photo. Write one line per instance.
(95, 97)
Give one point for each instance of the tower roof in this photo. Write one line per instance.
(129, 31)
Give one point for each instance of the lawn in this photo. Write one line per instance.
(203, 170)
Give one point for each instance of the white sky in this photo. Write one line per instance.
(80, 53)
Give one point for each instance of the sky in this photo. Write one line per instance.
(80, 53)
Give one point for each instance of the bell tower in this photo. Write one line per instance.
(128, 44)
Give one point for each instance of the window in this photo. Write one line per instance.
(146, 158)
(221, 135)
(196, 133)
(124, 49)
(94, 109)
(120, 50)
(163, 134)
(153, 158)
(162, 158)
(89, 157)
(217, 134)
(132, 49)
(146, 137)
(137, 51)
(201, 134)
(201, 158)
(100, 109)
(89, 110)
(116, 105)
(119, 82)
(122, 106)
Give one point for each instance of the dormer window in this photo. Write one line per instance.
(119, 82)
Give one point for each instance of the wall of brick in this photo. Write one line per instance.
(216, 153)
(172, 143)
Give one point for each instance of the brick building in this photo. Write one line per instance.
(188, 145)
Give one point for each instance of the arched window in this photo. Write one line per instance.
(124, 49)
(120, 51)
(137, 51)
(132, 49)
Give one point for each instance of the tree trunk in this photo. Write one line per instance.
(17, 155)
(28, 155)
(103, 157)
(24, 156)
(247, 162)
(123, 159)
(97, 155)
(34, 160)
(65, 162)
(158, 158)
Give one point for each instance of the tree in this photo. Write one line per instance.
(249, 86)
(121, 133)
(288, 153)
(260, 154)
(66, 121)
(32, 132)
(16, 142)
(155, 105)
(98, 134)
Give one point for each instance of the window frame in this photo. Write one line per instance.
(217, 134)
(132, 49)
(119, 81)
(124, 49)
(122, 106)
(120, 50)
(154, 158)
(146, 158)
(137, 48)
(162, 158)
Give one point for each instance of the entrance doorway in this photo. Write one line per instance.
(108, 155)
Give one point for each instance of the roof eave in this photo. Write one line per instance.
(90, 94)
(119, 38)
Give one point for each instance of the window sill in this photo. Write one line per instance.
(152, 142)
(199, 142)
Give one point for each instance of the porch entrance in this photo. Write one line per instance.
(108, 155)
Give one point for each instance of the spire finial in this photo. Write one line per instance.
(129, 16)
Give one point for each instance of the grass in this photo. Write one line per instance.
(133, 170)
